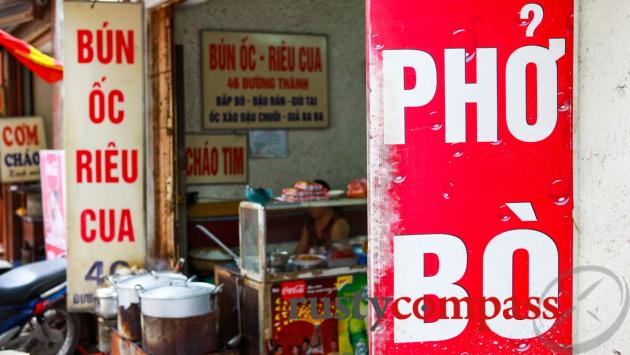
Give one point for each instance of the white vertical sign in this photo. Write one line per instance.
(103, 139)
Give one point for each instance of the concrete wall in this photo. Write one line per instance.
(603, 166)
(336, 154)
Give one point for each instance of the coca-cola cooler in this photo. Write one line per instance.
(290, 310)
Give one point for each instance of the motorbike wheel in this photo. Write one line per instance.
(57, 333)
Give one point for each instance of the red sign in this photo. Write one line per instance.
(471, 175)
(292, 289)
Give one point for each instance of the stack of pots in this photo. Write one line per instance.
(179, 318)
(129, 325)
(105, 307)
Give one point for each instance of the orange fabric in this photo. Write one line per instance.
(44, 66)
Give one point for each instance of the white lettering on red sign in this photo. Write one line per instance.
(296, 289)
(470, 168)
(484, 93)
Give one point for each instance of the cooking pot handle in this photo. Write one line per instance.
(191, 279)
(180, 263)
(139, 289)
(184, 282)
(218, 289)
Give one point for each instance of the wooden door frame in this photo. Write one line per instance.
(169, 240)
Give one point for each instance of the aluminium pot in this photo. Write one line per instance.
(179, 319)
(129, 302)
(104, 330)
(106, 302)
(278, 259)
(116, 278)
(214, 291)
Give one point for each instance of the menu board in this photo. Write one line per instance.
(264, 80)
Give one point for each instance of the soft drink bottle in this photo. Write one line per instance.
(358, 336)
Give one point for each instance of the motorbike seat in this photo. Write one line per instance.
(29, 281)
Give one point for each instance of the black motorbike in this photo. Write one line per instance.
(33, 317)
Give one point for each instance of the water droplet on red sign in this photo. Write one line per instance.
(559, 192)
(466, 39)
(504, 213)
(400, 179)
(522, 22)
(457, 150)
(434, 121)
(564, 103)
(377, 42)
(522, 347)
(448, 191)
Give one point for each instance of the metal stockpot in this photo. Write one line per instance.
(106, 302)
(179, 319)
(106, 298)
(278, 259)
(105, 328)
(115, 279)
(214, 291)
(129, 302)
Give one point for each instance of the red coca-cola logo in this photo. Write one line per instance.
(293, 289)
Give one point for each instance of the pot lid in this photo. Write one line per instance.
(148, 281)
(172, 275)
(176, 292)
(210, 287)
(116, 278)
(105, 292)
